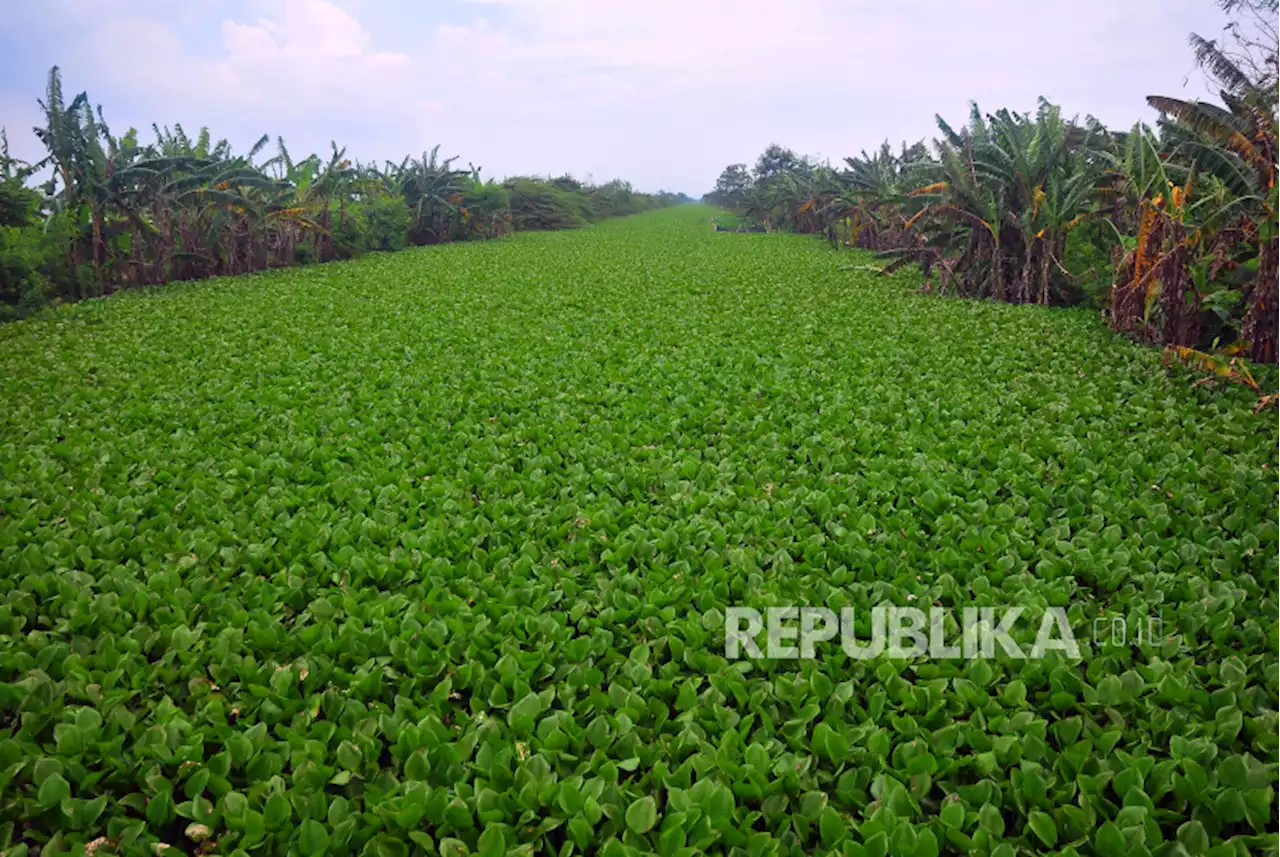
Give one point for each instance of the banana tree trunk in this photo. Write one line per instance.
(1259, 328)
(1022, 292)
(1179, 304)
(98, 248)
(1045, 256)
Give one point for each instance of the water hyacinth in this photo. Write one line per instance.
(430, 553)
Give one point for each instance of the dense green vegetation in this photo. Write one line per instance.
(429, 552)
(116, 212)
(432, 552)
(1171, 231)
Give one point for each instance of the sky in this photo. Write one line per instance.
(662, 93)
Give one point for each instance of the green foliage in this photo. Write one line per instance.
(386, 222)
(429, 553)
(22, 286)
(1012, 206)
(34, 268)
(539, 205)
(485, 210)
(378, 223)
(617, 199)
(121, 213)
(23, 250)
(1087, 257)
(19, 205)
(731, 187)
(432, 190)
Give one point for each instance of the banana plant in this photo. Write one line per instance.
(433, 191)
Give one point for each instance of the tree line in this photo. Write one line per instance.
(1170, 230)
(113, 212)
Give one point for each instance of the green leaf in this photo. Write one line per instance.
(312, 837)
(991, 820)
(1194, 838)
(522, 714)
(719, 807)
(831, 827)
(492, 842)
(54, 790)
(458, 814)
(276, 811)
(450, 847)
(830, 744)
(349, 756)
(1043, 826)
(417, 767)
(926, 844)
(160, 808)
(642, 815)
(1109, 841)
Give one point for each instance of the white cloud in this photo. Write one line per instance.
(664, 46)
(663, 92)
(828, 76)
(907, 50)
(316, 56)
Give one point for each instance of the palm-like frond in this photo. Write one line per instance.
(1210, 56)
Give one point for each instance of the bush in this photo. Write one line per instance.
(618, 199)
(485, 211)
(22, 285)
(64, 279)
(380, 223)
(387, 220)
(21, 255)
(1088, 259)
(18, 204)
(536, 204)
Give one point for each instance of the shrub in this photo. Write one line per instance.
(380, 223)
(21, 256)
(22, 285)
(485, 211)
(387, 221)
(536, 204)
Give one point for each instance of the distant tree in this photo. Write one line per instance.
(732, 187)
(776, 161)
(568, 183)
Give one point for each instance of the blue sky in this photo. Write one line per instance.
(663, 93)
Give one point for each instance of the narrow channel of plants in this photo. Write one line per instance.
(430, 553)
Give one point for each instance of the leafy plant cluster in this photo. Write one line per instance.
(1171, 231)
(116, 212)
(429, 553)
